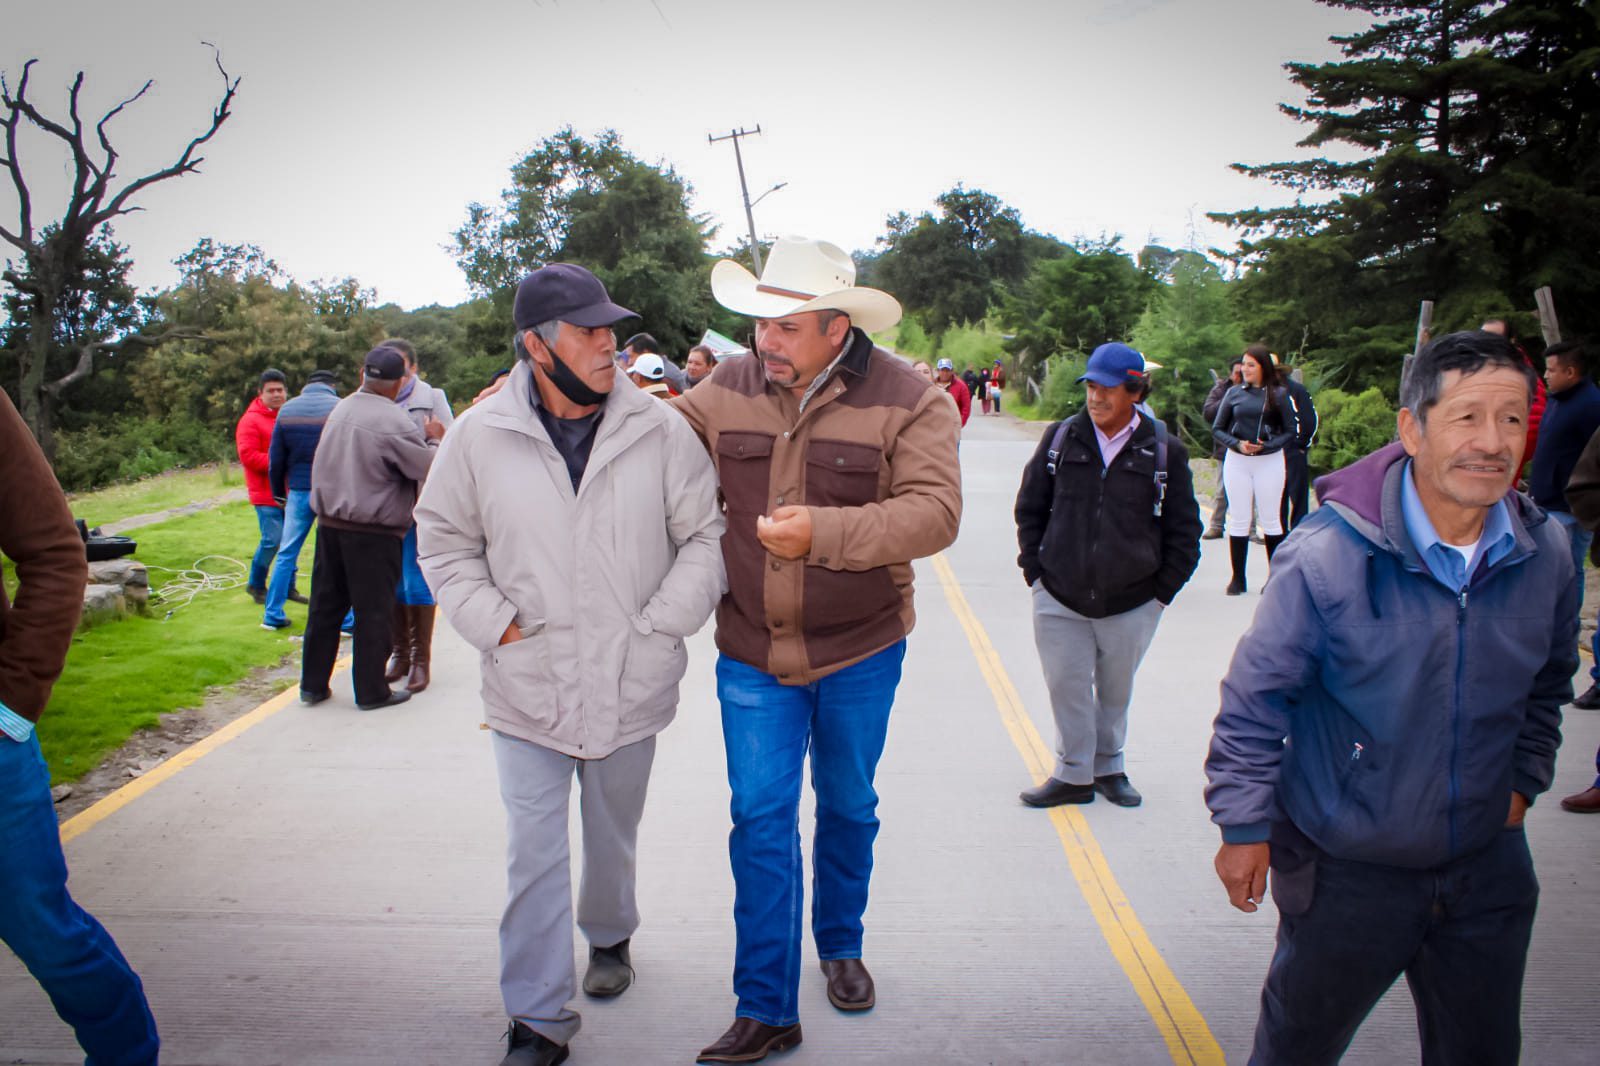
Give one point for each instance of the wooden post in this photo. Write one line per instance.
(1547, 316)
(1424, 334)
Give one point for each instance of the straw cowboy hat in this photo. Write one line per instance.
(803, 275)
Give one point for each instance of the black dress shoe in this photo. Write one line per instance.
(396, 697)
(296, 596)
(1117, 789)
(1054, 793)
(259, 595)
(1590, 700)
(524, 1047)
(610, 971)
(311, 699)
(748, 1040)
(1236, 587)
(849, 984)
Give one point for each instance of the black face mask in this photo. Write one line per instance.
(566, 382)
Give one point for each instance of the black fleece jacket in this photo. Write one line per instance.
(1091, 532)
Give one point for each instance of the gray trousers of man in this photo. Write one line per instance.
(537, 975)
(1089, 665)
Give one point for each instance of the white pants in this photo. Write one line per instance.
(1258, 476)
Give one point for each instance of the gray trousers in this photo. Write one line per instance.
(1088, 667)
(537, 976)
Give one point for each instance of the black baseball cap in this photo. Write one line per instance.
(567, 293)
(384, 364)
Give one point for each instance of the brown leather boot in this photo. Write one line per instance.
(421, 646)
(400, 641)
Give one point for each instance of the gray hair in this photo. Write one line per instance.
(826, 316)
(1468, 351)
(545, 331)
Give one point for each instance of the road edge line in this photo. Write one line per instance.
(1188, 1038)
(106, 806)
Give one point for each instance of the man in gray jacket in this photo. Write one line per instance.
(363, 487)
(571, 532)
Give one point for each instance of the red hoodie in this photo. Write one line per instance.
(253, 437)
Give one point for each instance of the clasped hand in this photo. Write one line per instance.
(786, 533)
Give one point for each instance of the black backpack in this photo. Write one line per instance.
(1053, 457)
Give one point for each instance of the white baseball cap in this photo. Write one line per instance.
(649, 366)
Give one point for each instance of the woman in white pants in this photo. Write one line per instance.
(1253, 424)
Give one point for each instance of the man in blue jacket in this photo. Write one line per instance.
(295, 437)
(1390, 716)
(1571, 417)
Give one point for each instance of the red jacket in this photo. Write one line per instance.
(962, 396)
(253, 437)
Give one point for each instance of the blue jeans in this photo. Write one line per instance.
(767, 729)
(297, 523)
(413, 589)
(270, 522)
(1347, 930)
(74, 959)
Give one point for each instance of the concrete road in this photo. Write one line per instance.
(322, 886)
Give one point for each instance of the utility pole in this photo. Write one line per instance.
(744, 190)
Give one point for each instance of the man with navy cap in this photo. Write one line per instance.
(570, 530)
(1109, 532)
(363, 487)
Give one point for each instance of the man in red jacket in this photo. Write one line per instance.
(253, 436)
(944, 376)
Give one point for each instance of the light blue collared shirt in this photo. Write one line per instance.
(14, 725)
(1445, 563)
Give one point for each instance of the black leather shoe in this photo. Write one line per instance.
(396, 697)
(311, 699)
(296, 596)
(748, 1040)
(1236, 587)
(1117, 789)
(610, 971)
(1211, 534)
(849, 984)
(1590, 700)
(524, 1047)
(259, 595)
(1054, 793)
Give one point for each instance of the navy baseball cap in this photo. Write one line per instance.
(1114, 364)
(384, 364)
(567, 293)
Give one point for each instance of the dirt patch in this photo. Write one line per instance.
(113, 529)
(146, 750)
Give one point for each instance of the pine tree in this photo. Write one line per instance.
(1475, 178)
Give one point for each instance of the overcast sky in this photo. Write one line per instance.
(362, 131)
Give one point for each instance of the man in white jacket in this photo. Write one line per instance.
(571, 532)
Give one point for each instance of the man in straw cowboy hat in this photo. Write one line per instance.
(838, 466)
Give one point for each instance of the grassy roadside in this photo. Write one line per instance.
(122, 676)
(149, 495)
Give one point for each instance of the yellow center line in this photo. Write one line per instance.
(1188, 1038)
(104, 808)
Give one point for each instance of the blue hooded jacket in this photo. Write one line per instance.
(1388, 716)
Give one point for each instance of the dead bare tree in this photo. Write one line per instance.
(53, 255)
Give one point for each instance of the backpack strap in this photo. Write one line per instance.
(1053, 457)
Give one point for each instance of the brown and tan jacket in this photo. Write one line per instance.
(36, 533)
(873, 456)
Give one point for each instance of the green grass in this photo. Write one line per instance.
(122, 676)
(159, 493)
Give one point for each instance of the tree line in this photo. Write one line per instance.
(1453, 155)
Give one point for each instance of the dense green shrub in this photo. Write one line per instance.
(1351, 427)
(1061, 396)
(131, 448)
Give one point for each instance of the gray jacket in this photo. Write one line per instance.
(367, 466)
(427, 400)
(604, 583)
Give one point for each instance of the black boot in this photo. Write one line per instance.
(1238, 550)
(1273, 540)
